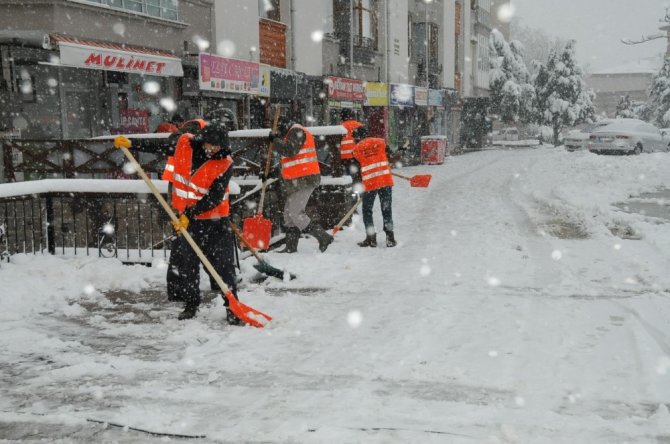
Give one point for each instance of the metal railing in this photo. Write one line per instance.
(132, 228)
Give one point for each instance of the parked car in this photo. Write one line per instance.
(628, 136)
(505, 135)
(577, 138)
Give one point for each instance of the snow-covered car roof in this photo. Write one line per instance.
(621, 125)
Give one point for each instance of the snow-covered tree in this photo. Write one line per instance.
(512, 94)
(562, 97)
(631, 109)
(659, 103)
(537, 44)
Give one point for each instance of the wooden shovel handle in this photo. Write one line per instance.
(268, 162)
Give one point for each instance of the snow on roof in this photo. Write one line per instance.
(329, 130)
(650, 65)
(86, 186)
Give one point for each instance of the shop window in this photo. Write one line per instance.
(269, 9)
(166, 9)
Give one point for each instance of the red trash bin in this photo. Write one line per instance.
(433, 149)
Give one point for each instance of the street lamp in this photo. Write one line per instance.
(426, 33)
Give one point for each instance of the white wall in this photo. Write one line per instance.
(448, 43)
(310, 16)
(398, 52)
(236, 21)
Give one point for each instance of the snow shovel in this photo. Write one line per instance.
(337, 227)
(417, 181)
(258, 230)
(247, 314)
(261, 266)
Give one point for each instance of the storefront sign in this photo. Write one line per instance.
(228, 75)
(376, 94)
(345, 89)
(401, 95)
(420, 96)
(435, 98)
(264, 89)
(133, 121)
(84, 56)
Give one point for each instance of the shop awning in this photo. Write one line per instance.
(109, 56)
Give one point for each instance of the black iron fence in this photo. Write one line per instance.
(132, 228)
(117, 218)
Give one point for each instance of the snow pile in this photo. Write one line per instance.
(517, 307)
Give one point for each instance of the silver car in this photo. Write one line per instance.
(577, 138)
(628, 136)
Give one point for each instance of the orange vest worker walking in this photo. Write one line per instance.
(370, 152)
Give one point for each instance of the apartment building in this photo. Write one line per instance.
(78, 68)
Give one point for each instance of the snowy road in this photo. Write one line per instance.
(521, 305)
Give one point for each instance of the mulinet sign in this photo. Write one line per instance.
(125, 61)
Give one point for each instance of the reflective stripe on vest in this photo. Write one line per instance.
(169, 169)
(375, 171)
(305, 162)
(347, 145)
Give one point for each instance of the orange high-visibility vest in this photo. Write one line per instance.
(305, 163)
(375, 169)
(188, 189)
(347, 145)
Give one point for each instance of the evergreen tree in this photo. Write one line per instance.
(562, 97)
(509, 81)
(659, 106)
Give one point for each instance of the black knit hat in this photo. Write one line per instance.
(214, 133)
(360, 133)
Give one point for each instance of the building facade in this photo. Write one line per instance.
(79, 68)
(73, 69)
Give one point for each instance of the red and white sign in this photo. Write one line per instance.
(84, 56)
(133, 121)
(340, 88)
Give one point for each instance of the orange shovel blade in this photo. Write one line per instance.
(247, 314)
(420, 180)
(257, 231)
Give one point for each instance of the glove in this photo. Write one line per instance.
(273, 135)
(122, 142)
(181, 224)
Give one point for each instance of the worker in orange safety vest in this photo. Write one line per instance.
(301, 176)
(200, 174)
(348, 144)
(371, 155)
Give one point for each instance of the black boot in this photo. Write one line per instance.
(370, 241)
(390, 239)
(189, 312)
(320, 234)
(291, 240)
(232, 319)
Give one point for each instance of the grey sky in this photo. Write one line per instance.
(598, 26)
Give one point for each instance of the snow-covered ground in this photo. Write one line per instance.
(521, 305)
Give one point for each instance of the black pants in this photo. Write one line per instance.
(216, 240)
(385, 199)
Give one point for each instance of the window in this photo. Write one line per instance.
(166, 9)
(363, 25)
(269, 9)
